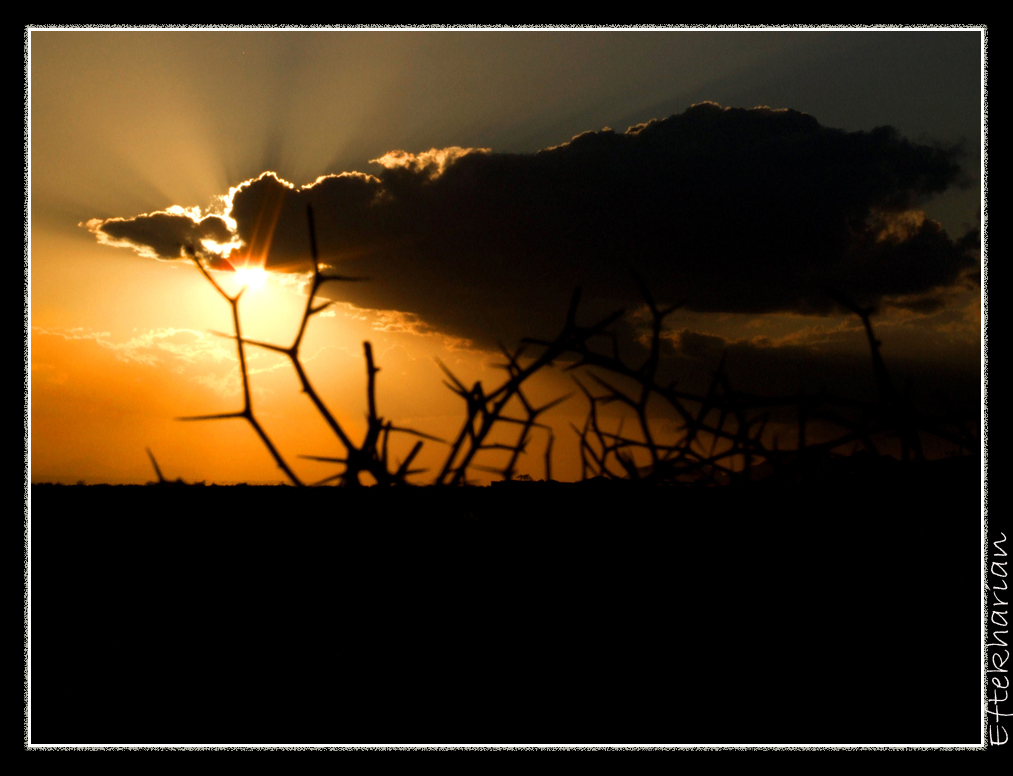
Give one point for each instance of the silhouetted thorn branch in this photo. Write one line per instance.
(220, 416)
(323, 458)
(403, 468)
(320, 308)
(267, 346)
(548, 456)
(343, 279)
(457, 386)
(418, 434)
(158, 472)
(731, 423)
(370, 379)
(555, 402)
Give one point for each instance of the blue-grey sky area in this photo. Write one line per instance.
(182, 115)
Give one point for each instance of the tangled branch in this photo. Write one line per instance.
(720, 435)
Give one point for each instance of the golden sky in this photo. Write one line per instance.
(126, 123)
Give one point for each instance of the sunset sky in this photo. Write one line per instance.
(766, 177)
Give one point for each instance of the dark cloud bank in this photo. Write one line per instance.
(728, 209)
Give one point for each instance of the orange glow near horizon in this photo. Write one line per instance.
(122, 345)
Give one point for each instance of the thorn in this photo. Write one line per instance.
(418, 434)
(154, 463)
(320, 308)
(343, 278)
(552, 404)
(223, 416)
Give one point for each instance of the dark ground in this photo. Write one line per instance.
(847, 610)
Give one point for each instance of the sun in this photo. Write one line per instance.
(252, 277)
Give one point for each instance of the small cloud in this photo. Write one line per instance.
(431, 163)
(396, 321)
(694, 344)
(150, 347)
(166, 234)
(226, 385)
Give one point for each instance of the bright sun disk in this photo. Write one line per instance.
(254, 277)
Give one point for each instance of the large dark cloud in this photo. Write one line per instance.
(729, 209)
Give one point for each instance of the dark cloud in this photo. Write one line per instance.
(728, 209)
(162, 235)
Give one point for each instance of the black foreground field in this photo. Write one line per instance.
(847, 610)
